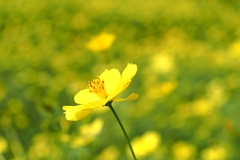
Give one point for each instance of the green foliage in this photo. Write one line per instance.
(188, 79)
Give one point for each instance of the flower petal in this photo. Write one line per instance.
(126, 77)
(74, 113)
(95, 104)
(111, 79)
(121, 87)
(129, 72)
(84, 97)
(133, 96)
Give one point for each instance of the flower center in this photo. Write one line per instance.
(97, 86)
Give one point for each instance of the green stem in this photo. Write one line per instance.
(126, 136)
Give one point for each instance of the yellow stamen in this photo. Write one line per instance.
(97, 86)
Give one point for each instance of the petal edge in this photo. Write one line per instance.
(133, 96)
(74, 113)
(84, 97)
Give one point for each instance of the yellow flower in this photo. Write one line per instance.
(101, 90)
(101, 42)
(146, 144)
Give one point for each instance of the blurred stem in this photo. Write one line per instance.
(109, 104)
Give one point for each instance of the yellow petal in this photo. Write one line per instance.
(126, 77)
(74, 113)
(84, 97)
(95, 104)
(129, 72)
(133, 96)
(111, 79)
(121, 87)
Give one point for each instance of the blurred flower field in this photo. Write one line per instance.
(188, 79)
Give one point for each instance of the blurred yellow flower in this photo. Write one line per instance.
(93, 129)
(183, 151)
(101, 90)
(235, 48)
(3, 144)
(88, 133)
(101, 42)
(163, 63)
(146, 144)
(42, 147)
(109, 153)
(214, 152)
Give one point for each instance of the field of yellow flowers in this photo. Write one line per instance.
(187, 55)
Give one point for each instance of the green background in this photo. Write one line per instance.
(188, 79)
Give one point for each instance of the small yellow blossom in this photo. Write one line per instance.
(101, 90)
(183, 150)
(3, 144)
(146, 144)
(101, 42)
(214, 152)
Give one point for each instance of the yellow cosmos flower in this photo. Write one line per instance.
(101, 90)
(101, 42)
